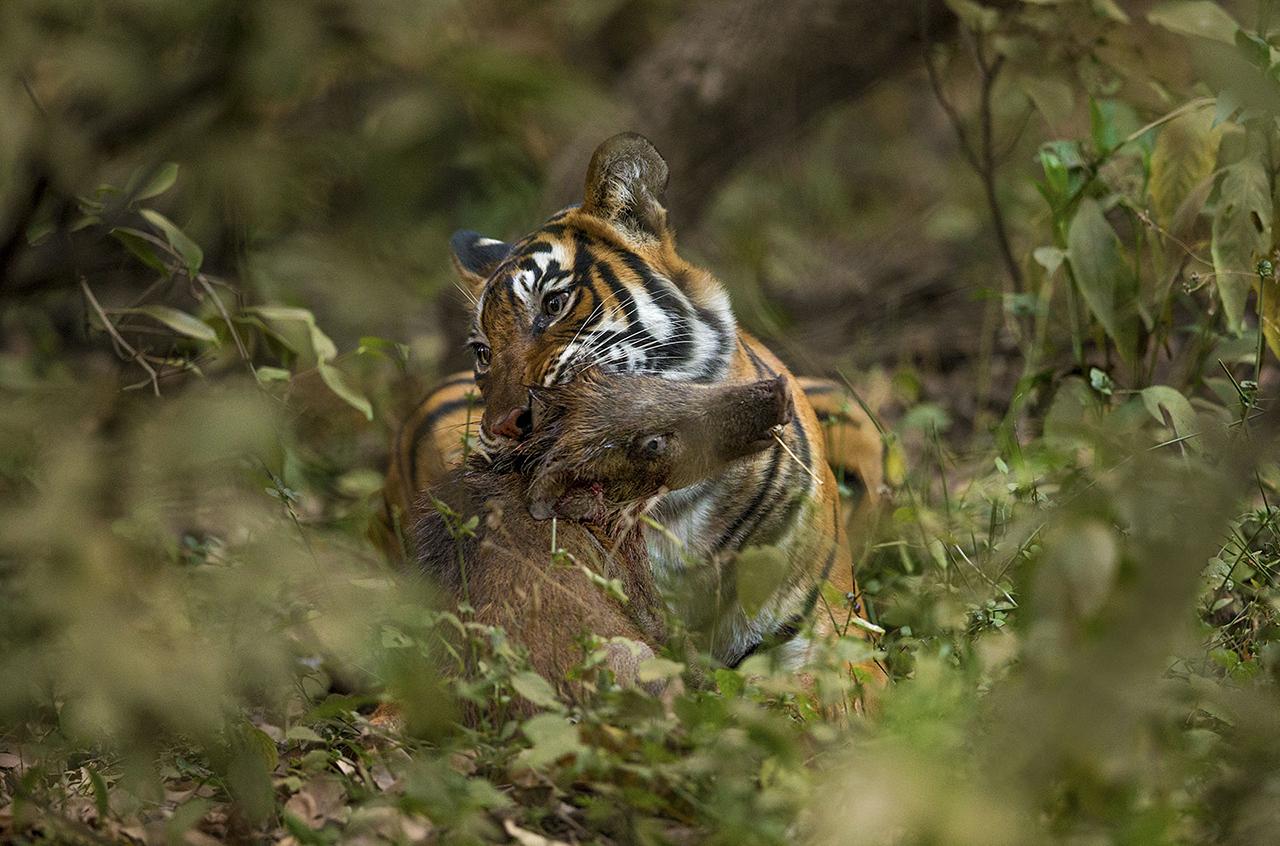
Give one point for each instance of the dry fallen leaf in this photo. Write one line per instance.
(319, 801)
(528, 838)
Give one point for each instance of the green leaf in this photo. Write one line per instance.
(393, 350)
(178, 321)
(189, 251)
(1105, 280)
(537, 690)
(141, 248)
(251, 760)
(1200, 18)
(1053, 97)
(333, 377)
(1181, 414)
(1050, 258)
(974, 15)
(273, 374)
(1186, 149)
(321, 345)
(761, 571)
(185, 817)
(101, 798)
(729, 682)
(1111, 122)
(303, 734)
(1101, 381)
(1109, 10)
(1269, 310)
(553, 737)
(659, 669)
(1255, 51)
(1241, 234)
(162, 180)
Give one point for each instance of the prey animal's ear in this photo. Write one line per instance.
(476, 257)
(625, 183)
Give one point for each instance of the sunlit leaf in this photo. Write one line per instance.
(1202, 18)
(1185, 151)
(303, 734)
(178, 321)
(1109, 10)
(273, 374)
(1050, 258)
(1269, 311)
(974, 15)
(189, 251)
(162, 180)
(1241, 234)
(141, 248)
(323, 347)
(536, 689)
(659, 669)
(1161, 398)
(553, 737)
(333, 377)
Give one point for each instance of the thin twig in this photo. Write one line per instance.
(817, 479)
(115, 336)
(983, 158)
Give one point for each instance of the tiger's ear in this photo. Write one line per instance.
(476, 257)
(625, 183)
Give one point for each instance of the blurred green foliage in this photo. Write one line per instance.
(242, 207)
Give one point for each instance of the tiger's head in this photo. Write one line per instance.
(598, 284)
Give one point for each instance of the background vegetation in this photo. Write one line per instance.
(1036, 237)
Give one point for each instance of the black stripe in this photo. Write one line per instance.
(408, 467)
(449, 383)
(724, 339)
(760, 366)
(750, 511)
(429, 422)
(671, 300)
(803, 450)
(817, 389)
(628, 305)
(784, 633)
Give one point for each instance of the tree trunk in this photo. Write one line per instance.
(737, 76)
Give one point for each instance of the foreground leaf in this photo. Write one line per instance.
(536, 689)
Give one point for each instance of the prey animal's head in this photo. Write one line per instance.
(604, 441)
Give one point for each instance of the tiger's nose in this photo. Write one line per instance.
(516, 425)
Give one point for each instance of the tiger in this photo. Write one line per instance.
(601, 283)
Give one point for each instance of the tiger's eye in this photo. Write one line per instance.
(554, 304)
